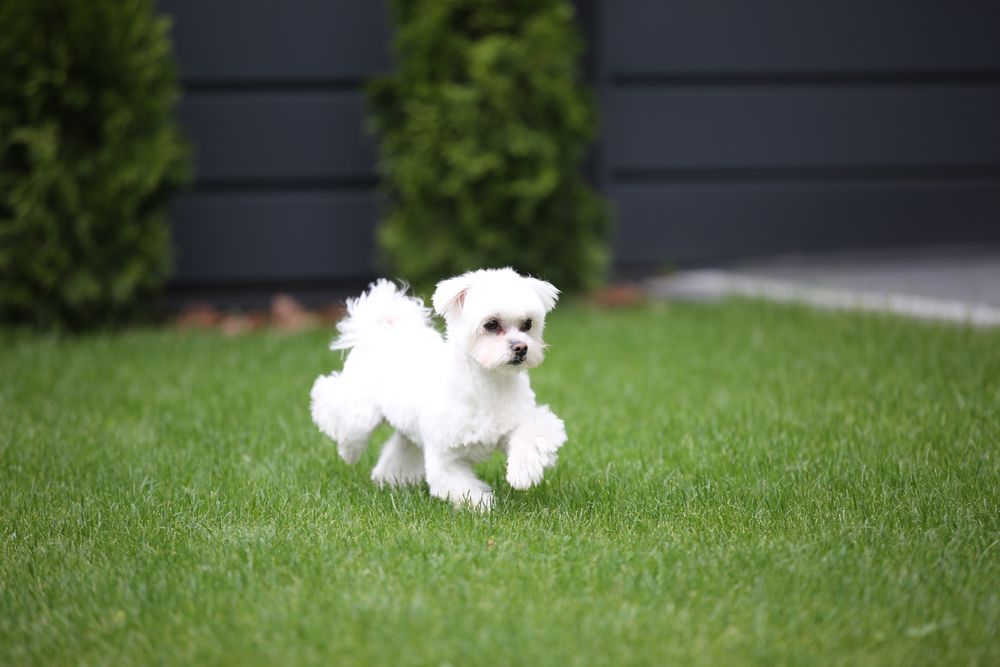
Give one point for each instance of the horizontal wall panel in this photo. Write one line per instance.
(775, 126)
(279, 39)
(306, 136)
(664, 223)
(782, 36)
(249, 237)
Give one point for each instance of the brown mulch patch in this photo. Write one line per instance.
(618, 295)
(285, 314)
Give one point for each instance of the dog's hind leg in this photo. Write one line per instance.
(343, 415)
(401, 462)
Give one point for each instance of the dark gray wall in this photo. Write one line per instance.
(735, 129)
(285, 174)
(731, 130)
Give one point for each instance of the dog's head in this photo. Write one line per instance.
(497, 315)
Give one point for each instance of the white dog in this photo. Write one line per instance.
(453, 401)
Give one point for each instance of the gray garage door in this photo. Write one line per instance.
(273, 102)
(735, 129)
(732, 129)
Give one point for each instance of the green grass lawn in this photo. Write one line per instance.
(743, 483)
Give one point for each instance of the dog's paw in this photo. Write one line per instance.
(528, 459)
(525, 470)
(396, 477)
(469, 493)
(350, 452)
(479, 501)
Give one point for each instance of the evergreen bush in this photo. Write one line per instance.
(483, 127)
(89, 151)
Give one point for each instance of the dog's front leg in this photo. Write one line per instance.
(450, 477)
(532, 447)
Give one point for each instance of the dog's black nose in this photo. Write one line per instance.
(519, 349)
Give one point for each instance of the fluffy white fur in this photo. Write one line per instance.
(454, 400)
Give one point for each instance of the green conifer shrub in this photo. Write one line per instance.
(483, 126)
(89, 152)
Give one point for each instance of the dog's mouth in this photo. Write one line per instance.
(516, 361)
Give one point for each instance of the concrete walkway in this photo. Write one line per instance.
(961, 287)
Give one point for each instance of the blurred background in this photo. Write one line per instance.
(729, 130)
(723, 132)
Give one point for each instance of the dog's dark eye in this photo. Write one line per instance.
(491, 325)
(526, 325)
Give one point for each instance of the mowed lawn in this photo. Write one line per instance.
(743, 484)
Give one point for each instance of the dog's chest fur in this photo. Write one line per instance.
(488, 416)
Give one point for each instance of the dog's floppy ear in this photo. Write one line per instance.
(547, 292)
(449, 297)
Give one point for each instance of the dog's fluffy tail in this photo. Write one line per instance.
(382, 307)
